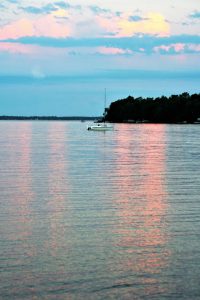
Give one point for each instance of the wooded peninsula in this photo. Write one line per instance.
(183, 108)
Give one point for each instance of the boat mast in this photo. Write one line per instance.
(104, 106)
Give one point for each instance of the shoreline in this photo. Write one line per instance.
(46, 118)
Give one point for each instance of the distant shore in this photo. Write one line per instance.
(83, 119)
(46, 118)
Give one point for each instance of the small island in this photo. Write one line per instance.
(183, 108)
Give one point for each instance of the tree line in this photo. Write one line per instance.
(183, 108)
(46, 118)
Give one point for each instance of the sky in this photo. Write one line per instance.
(57, 57)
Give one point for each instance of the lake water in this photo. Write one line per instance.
(94, 215)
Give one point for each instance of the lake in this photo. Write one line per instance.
(99, 215)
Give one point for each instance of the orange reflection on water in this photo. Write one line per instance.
(141, 198)
(58, 185)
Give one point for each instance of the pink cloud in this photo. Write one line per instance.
(108, 25)
(34, 50)
(44, 26)
(193, 47)
(112, 51)
(178, 47)
(47, 26)
(17, 48)
(162, 47)
(22, 27)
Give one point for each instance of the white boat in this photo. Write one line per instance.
(101, 126)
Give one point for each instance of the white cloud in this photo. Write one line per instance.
(37, 72)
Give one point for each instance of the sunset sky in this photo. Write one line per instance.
(56, 57)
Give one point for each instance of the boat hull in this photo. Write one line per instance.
(100, 128)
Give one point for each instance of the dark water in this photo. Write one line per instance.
(93, 215)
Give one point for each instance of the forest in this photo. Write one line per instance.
(183, 108)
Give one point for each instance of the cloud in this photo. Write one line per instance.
(16, 48)
(135, 18)
(153, 23)
(178, 48)
(22, 27)
(37, 73)
(146, 44)
(193, 48)
(13, 1)
(195, 15)
(78, 19)
(40, 27)
(58, 24)
(39, 10)
(46, 9)
(113, 51)
(170, 49)
(99, 11)
(126, 25)
(62, 4)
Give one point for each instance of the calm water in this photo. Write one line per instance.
(93, 215)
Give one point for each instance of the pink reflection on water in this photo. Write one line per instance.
(57, 185)
(141, 199)
(21, 186)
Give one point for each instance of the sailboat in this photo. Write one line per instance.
(101, 126)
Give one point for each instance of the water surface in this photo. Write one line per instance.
(96, 215)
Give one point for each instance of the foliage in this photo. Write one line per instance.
(174, 109)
